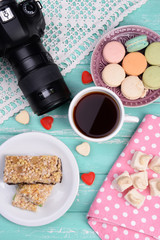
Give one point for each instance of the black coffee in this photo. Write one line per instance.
(96, 115)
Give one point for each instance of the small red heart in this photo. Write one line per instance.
(47, 122)
(88, 178)
(86, 77)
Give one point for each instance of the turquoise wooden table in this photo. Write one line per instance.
(73, 225)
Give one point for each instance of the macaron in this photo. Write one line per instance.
(151, 77)
(137, 43)
(113, 75)
(134, 63)
(114, 52)
(132, 88)
(152, 54)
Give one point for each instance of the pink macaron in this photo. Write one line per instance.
(114, 52)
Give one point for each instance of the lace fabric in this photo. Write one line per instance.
(73, 28)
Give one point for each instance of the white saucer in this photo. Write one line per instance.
(63, 194)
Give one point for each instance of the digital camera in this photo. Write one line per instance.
(21, 27)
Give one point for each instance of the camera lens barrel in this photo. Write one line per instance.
(38, 77)
(28, 57)
(47, 91)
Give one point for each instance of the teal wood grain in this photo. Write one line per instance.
(73, 225)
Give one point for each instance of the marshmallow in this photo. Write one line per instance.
(154, 185)
(140, 180)
(83, 149)
(135, 198)
(140, 161)
(22, 117)
(122, 182)
(155, 164)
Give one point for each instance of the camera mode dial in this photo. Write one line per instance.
(29, 8)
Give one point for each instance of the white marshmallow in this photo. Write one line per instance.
(135, 198)
(154, 185)
(122, 182)
(155, 164)
(83, 149)
(140, 161)
(140, 180)
(22, 117)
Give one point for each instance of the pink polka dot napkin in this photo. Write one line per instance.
(110, 215)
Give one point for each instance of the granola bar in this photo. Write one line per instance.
(35, 193)
(32, 170)
(21, 202)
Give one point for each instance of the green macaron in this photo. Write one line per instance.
(152, 54)
(151, 77)
(136, 44)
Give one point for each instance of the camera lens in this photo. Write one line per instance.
(29, 8)
(38, 77)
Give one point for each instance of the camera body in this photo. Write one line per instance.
(19, 23)
(21, 27)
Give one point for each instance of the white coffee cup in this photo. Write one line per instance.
(123, 118)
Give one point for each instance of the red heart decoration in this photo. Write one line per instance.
(88, 178)
(86, 77)
(47, 122)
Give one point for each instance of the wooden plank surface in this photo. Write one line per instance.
(73, 225)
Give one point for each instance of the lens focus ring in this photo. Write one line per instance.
(29, 8)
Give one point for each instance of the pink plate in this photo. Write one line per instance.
(122, 34)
